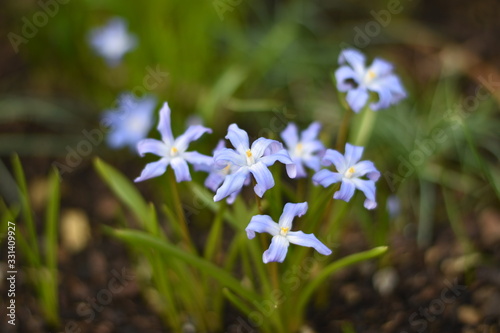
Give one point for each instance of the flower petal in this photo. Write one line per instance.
(366, 168)
(181, 169)
(290, 211)
(308, 240)
(346, 191)
(357, 98)
(280, 155)
(277, 250)
(153, 169)
(196, 158)
(380, 67)
(164, 125)
(192, 133)
(214, 180)
(260, 145)
(152, 146)
(354, 58)
(290, 135)
(311, 133)
(238, 138)
(225, 155)
(333, 156)
(300, 171)
(262, 223)
(342, 75)
(326, 177)
(263, 177)
(312, 162)
(352, 154)
(232, 183)
(368, 188)
(291, 170)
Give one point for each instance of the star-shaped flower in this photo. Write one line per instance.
(357, 80)
(248, 160)
(349, 172)
(172, 151)
(112, 41)
(130, 122)
(282, 236)
(303, 149)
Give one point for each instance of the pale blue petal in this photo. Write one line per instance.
(153, 169)
(261, 224)
(196, 158)
(291, 170)
(238, 138)
(225, 155)
(326, 177)
(164, 125)
(260, 145)
(308, 240)
(280, 155)
(263, 177)
(342, 75)
(152, 146)
(368, 188)
(290, 211)
(352, 154)
(290, 135)
(366, 168)
(300, 171)
(380, 67)
(232, 197)
(214, 180)
(357, 98)
(384, 98)
(277, 250)
(192, 133)
(389, 89)
(312, 162)
(181, 169)
(313, 146)
(232, 183)
(311, 133)
(334, 157)
(354, 58)
(346, 190)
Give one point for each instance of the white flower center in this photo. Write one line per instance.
(349, 172)
(137, 124)
(250, 158)
(174, 152)
(299, 148)
(284, 231)
(369, 76)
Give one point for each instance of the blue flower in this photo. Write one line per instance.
(172, 151)
(217, 174)
(245, 161)
(282, 236)
(358, 80)
(303, 149)
(130, 122)
(112, 41)
(349, 171)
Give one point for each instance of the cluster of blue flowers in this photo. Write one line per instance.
(229, 169)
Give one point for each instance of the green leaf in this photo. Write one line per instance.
(126, 191)
(141, 239)
(352, 259)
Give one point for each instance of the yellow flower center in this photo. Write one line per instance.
(284, 231)
(298, 148)
(349, 172)
(227, 169)
(370, 75)
(250, 159)
(173, 151)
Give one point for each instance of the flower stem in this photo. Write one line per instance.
(344, 130)
(181, 218)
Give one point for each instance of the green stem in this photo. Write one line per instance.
(344, 129)
(181, 218)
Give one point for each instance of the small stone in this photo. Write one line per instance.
(385, 280)
(468, 315)
(75, 230)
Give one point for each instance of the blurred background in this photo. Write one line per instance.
(262, 64)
